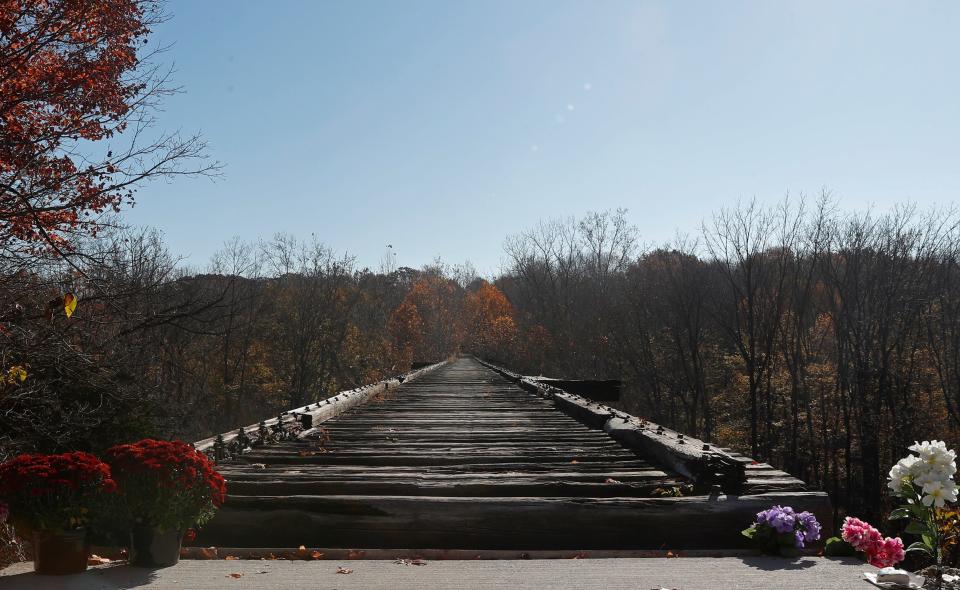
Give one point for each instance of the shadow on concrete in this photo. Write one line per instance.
(110, 577)
(772, 563)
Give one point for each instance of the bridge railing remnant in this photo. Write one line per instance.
(300, 422)
(709, 468)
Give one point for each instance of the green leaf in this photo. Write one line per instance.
(918, 528)
(900, 513)
(837, 547)
(918, 546)
(750, 532)
(919, 510)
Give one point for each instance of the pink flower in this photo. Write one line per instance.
(860, 534)
(887, 552)
(880, 551)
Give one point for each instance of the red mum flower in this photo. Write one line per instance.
(167, 479)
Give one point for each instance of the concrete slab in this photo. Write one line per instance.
(692, 573)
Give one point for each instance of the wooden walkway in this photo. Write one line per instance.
(463, 458)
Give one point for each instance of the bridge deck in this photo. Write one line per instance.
(463, 458)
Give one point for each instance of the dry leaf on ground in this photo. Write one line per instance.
(344, 570)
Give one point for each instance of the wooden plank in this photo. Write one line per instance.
(497, 523)
(515, 487)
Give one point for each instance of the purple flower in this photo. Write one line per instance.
(803, 526)
(780, 518)
(809, 526)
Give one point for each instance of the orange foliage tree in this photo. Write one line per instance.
(406, 333)
(435, 301)
(490, 328)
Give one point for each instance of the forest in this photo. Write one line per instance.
(818, 340)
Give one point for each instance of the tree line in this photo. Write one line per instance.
(820, 341)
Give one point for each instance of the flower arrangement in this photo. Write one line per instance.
(53, 492)
(925, 481)
(781, 530)
(879, 551)
(166, 485)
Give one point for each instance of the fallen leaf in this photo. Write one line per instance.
(611, 480)
(17, 374)
(672, 554)
(344, 570)
(97, 560)
(316, 555)
(410, 562)
(231, 558)
(208, 553)
(234, 575)
(574, 461)
(69, 304)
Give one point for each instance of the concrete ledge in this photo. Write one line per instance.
(686, 573)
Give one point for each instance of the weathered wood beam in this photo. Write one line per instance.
(497, 522)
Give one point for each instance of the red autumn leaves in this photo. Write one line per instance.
(67, 74)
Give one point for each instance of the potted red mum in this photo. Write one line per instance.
(164, 488)
(51, 499)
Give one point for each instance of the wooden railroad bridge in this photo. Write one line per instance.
(466, 455)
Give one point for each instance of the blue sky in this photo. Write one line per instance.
(442, 127)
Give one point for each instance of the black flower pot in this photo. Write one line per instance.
(151, 547)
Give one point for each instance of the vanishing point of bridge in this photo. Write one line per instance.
(464, 455)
